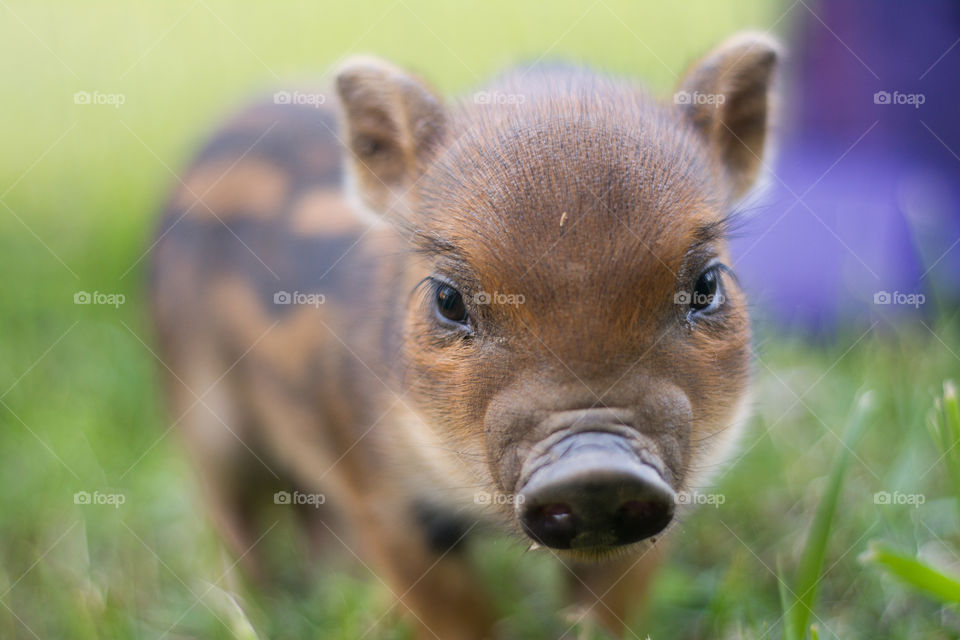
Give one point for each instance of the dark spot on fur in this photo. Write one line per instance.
(444, 531)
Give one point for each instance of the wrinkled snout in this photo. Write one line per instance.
(592, 490)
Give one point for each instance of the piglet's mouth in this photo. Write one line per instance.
(592, 491)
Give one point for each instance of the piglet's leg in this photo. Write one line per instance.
(435, 587)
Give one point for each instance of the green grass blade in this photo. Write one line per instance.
(944, 423)
(811, 561)
(913, 572)
(786, 600)
(951, 431)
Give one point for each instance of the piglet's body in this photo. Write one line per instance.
(512, 312)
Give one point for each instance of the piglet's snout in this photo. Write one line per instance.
(594, 492)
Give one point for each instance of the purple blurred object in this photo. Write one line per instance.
(862, 213)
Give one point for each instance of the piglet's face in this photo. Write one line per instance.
(576, 333)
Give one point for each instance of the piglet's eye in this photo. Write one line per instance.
(706, 292)
(450, 304)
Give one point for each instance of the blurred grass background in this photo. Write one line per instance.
(79, 410)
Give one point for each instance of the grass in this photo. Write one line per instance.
(798, 605)
(931, 577)
(79, 409)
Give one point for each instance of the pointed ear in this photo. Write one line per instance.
(726, 97)
(394, 126)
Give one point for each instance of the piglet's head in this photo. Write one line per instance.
(575, 335)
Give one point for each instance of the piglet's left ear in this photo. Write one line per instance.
(725, 96)
(394, 123)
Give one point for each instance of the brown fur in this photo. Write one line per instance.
(590, 199)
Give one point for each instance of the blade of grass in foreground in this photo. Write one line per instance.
(944, 423)
(786, 601)
(797, 614)
(914, 572)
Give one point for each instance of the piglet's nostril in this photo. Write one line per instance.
(637, 510)
(553, 524)
(638, 519)
(557, 513)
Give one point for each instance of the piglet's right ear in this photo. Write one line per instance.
(726, 97)
(395, 125)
